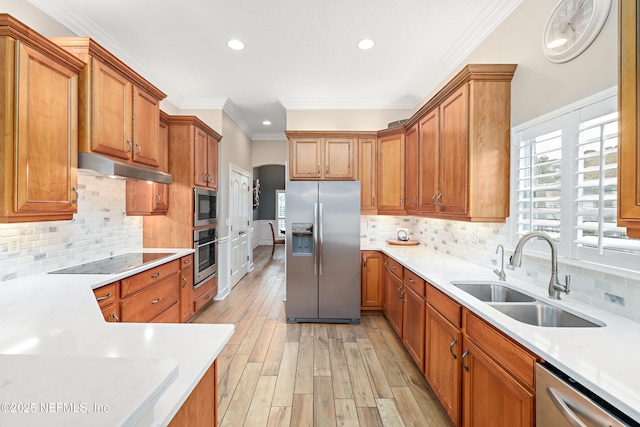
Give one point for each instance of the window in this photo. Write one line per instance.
(566, 183)
(280, 212)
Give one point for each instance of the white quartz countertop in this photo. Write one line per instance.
(604, 359)
(57, 354)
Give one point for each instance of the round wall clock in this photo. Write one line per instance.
(572, 27)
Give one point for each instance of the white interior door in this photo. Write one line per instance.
(240, 207)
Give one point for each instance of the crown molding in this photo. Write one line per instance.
(232, 111)
(391, 103)
(269, 136)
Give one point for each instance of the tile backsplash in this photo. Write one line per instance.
(100, 229)
(477, 243)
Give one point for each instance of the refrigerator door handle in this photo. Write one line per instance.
(315, 239)
(321, 242)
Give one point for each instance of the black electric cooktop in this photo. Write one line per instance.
(113, 265)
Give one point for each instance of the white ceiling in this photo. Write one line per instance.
(299, 54)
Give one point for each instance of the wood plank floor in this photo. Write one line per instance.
(276, 374)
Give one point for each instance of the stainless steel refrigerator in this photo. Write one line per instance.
(323, 251)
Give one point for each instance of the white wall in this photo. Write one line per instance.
(269, 153)
(30, 15)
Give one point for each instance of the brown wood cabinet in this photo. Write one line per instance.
(392, 294)
(463, 140)
(371, 264)
(391, 164)
(108, 298)
(204, 293)
(629, 116)
(144, 198)
(186, 288)
(322, 155)
(201, 407)
(205, 167)
(412, 169)
(119, 111)
(413, 324)
(38, 126)
(443, 345)
(367, 175)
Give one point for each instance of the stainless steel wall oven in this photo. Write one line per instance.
(205, 243)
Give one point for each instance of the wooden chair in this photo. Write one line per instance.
(274, 240)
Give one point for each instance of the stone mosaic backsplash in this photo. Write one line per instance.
(477, 243)
(100, 229)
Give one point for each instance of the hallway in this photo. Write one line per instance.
(276, 374)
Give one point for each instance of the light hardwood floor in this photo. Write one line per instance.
(276, 374)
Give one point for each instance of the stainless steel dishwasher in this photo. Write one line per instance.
(561, 402)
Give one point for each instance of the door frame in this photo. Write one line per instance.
(249, 175)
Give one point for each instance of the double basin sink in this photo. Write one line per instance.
(524, 308)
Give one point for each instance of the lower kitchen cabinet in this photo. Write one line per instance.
(413, 320)
(371, 280)
(108, 298)
(204, 294)
(201, 407)
(152, 301)
(186, 288)
(443, 370)
(392, 303)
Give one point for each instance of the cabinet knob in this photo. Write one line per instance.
(364, 261)
(433, 199)
(455, 340)
(75, 190)
(464, 355)
(104, 297)
(157, 300)
(115, 316)
(138, 149)
(157, 199)
(184, 281)
(130, 146)
(440, 200)
(153, 276)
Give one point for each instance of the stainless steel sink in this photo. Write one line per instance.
(492, 292)
(541, 314)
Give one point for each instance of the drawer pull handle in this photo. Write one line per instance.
(455, 340)
(184, 281)
(187, 261)
(115, 316)
(157, 300)
(411, 280)
(153, 276)
(393, 266)
(104, 297)
(464, 355)
(207, 296)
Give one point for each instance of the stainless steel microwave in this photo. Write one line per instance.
(205, 207)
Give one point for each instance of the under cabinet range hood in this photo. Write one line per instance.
(109, 167)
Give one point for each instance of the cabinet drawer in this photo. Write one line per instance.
(186, 262)
(151, 301)
(508, 353)
(450, 309)
(111, 313)
(206, 287)
(414, 281)
(205, 299)
(106, 294)
(137, 282)
(395, 268)
(170, 315)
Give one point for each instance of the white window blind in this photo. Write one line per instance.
(567, 173)
(280, 211)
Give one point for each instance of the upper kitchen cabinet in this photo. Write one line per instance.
(367, 174)
(38, 126)
(391, 173)
(464, 144)
(152, 198)
(629, 116)
(119, 110)
(412, 167)
(206, 157)
(322, 155)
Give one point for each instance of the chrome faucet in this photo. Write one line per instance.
(554, 285)
(501, 275)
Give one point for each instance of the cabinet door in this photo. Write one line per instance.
(46, 136)
(146, 125)
(391, 174)
(491, 397)
(393, 301)
(112, 120)
(306, 158)
(413, 320)
(429, 153)
(454, 149)
(367, 174)
(629, 143)
(442, 362)
(212, 162)
(372, 274)
(412, 162)
(186, 294)
(339, 158)
(200, 168)
(111, 313)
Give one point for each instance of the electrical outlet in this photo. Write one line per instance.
(14, 245)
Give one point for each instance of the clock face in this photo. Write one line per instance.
(572, 27)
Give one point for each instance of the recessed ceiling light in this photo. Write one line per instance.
(266, 123)
(365, 44)
(235, 44)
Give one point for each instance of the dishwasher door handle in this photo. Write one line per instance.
(562, 406)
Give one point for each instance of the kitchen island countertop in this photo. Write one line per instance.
(602, 359)
(62, 364)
